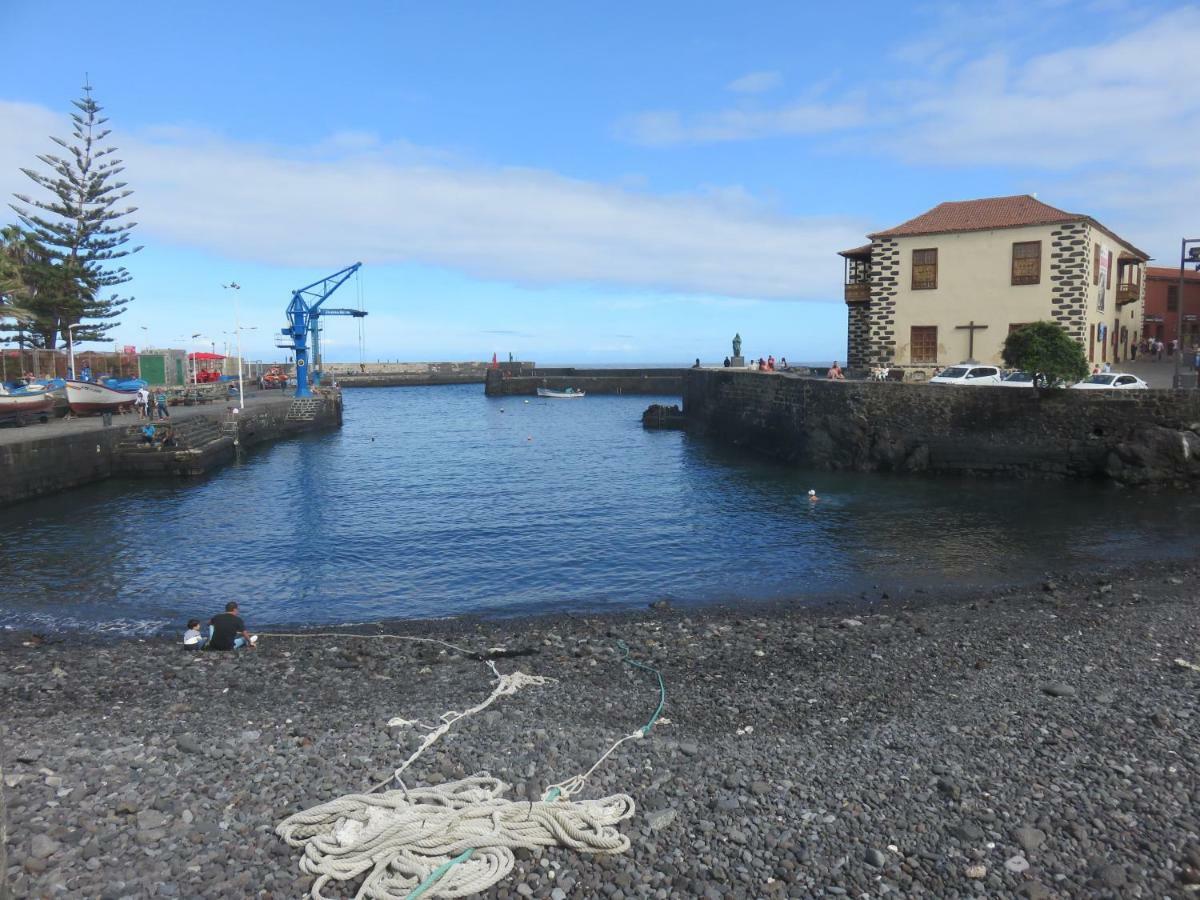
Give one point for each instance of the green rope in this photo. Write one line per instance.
(438, 873)
(662, 687)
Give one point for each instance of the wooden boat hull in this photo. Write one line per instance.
(25, 403)
(84, 397)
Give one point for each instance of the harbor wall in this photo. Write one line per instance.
(1132, 437)
(418, 374)
(593, 381)
(45, 465)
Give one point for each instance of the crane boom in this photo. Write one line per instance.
(304, 316)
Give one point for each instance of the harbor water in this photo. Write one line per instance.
(435, 502)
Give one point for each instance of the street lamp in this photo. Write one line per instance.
(1189, 253)
(195, 358)
(237, 327)
(71, 347)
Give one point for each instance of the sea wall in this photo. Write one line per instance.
(45, 465)
(417, 373)
(1133, 437)
(501, 383)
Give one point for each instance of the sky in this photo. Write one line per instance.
(588, 183)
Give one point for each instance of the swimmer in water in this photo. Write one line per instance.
(812, 496)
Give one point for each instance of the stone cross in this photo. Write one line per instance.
(971, 329)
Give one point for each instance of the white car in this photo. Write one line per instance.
(1111, 381)
(1017, 380)
(967, 374)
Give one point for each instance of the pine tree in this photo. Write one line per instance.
(76, 236)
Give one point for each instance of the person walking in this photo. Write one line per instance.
(160, 400)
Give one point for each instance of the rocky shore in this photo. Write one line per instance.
(1041, 742)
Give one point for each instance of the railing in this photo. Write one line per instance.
(1127, 293)
(858, 292)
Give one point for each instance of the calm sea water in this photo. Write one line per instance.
(438, 501)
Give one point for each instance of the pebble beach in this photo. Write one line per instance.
(1028, 742)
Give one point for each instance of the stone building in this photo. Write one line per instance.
(949, 285)
(1162, 305)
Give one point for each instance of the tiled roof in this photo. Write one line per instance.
(1170, 274)
(982, 215)
(990, 213)
(864, 250)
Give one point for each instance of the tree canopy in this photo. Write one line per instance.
(1045, 350)
(62, 262)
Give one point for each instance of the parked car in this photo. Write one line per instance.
(1110, 381)
(1028, 380)
(1018, 380)
(967, 374)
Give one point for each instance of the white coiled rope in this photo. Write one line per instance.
(453, 839)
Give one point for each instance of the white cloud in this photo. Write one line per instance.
(1126, 101)
(755, 83)
(667, 128)
(346, 197)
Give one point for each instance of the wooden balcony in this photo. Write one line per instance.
(858, 292)
(1127, 293)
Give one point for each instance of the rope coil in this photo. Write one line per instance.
(457, 838)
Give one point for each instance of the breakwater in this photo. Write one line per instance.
(416, 374)
(503, 382)
(34, 462)
(1131, 437)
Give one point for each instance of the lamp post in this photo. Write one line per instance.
(1189, 253)
(195, 358)
(71, 348)
(237, 327)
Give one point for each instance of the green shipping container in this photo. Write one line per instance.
(152, 369)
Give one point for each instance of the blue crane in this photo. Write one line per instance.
(304, 317)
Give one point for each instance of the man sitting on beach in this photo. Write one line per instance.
(229, 631)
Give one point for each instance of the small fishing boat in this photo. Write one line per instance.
(22, 407)
(88, 397)
(565, 394)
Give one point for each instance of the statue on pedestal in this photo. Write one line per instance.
(737, 345)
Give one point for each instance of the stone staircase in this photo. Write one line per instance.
(189, 434)
(304, 409)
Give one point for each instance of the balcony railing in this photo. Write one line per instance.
(858, 292)
(1127, 293)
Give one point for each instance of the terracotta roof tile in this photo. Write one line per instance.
(1171, 274)
(990, 213)
(982, 215)
(864, 250)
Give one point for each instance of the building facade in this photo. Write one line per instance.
(949, 285)
(1162, 313)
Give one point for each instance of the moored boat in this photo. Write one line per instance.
(565, 394)
(88, 397)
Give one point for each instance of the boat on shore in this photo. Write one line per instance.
(89, 397)
(20, 408)
(565, 394)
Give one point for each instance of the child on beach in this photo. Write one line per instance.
(191, 638)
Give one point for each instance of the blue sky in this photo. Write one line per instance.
(632, 182)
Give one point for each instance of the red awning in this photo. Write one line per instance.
(203, 356)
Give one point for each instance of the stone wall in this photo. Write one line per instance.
(1069, 256)
(594, 381)
(417, 374)
(885, 279)
(1134, 437)
(40, 466)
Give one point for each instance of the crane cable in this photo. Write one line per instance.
(362, 331)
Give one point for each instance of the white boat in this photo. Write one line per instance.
(25, 406)
(566, 394)
(87, 397)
